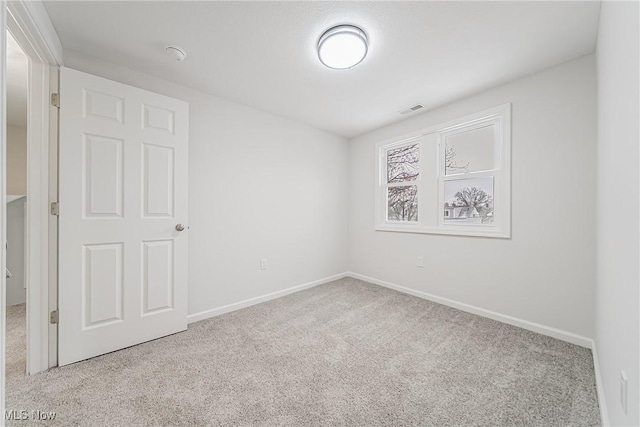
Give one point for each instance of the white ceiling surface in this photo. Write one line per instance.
(17, 83)
(263, 53)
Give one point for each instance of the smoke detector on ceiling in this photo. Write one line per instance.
(176, 53)
(411, 109)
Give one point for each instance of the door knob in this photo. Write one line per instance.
(180, 227)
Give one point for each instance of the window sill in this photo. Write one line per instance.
(457, 231)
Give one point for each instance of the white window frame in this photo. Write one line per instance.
(500, 118)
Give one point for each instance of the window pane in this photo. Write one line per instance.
(470, 151)
(403, 163)
(402, 203)
(468, 201)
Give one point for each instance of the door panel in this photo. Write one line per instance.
(123, 188)
(103, 278)
(157, 281)
(158, 181)
(103, 176)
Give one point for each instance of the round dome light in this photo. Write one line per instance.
(342, 47)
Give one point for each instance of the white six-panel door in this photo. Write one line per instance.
(123, 190)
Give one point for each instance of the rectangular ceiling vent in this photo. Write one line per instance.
(411, 109)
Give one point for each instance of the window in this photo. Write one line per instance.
(450, 179)
(403, 167)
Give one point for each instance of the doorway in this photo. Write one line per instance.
(22, 22)
(17, 78)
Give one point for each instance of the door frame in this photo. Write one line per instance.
(3, 201)
(29, 24)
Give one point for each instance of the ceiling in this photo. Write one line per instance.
(17, 81)
(263, 53)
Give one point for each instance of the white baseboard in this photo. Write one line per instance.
(206, 314)
(525, 324)
(604, 415)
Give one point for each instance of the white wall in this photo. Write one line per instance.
(260, 186)
(545, 273)
(618, 257)
(16, 185)
(16, 160)
(16, 293)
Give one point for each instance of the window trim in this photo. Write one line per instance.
(500, 118)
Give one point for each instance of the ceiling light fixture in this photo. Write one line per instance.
(343, 47)
(176, 53)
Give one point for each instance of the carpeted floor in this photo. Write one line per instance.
(16, 352)
(344, 353)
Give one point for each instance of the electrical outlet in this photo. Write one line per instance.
(420, 262)
(263, 264)
(623, 391)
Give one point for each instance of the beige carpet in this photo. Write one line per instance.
(16, 355)
(344, 353)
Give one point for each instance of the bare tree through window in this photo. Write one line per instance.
(403, 203)
(472, 197)
(469, 200)
(403, 165)
(450, 162)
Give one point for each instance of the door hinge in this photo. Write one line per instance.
(55, 208)
(55, 99)
(53, 318)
